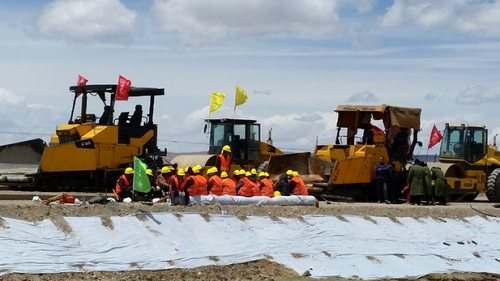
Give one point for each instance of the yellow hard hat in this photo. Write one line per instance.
(129, 171)
(236, 172)
(289, 173)
(181, 172)
(253, 171)
(295, 173)
(196, 169)
(262, 174)
(248, 174)
(212, 170)
(267, 174)
(242, 172)
(224, 174)
(149, 172)
(166, 170)
(277, 194)
(226, 148)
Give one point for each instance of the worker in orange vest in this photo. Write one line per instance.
(123, 187)
(253, 177)
(162, 180)
(245, 186)
(179, 183)
(297, 184)
(266, 185)
(196, 184)
(228, 184)
(224, 159)
(214, 185)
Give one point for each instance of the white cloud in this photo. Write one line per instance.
(481, 17)
(364, 97)
(478, 94)
(82, 19)
(211, 19)
(7, 97)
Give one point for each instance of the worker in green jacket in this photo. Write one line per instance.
(439, 186)
(419, 181)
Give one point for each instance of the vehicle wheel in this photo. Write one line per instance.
(493, 186)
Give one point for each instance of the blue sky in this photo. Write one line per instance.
(297, 59)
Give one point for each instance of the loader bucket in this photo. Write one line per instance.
(25, 152)
(305, 163)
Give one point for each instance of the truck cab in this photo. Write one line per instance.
(463, 143)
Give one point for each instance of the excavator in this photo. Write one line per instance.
(345, 170)
(88, 152)
(244, 137)
(469, 164)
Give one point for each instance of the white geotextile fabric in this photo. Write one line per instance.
(255, 200)
(326, 245)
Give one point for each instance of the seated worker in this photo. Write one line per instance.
(283, 184)
(266, 185)
(162, 181)
(156, 191)
(136, 118)
(228, 184)
(196, 184)
(297, 184)
(245, 186)
(123, 187)
(214, 185)
(223, 161)
(178, 194)
(253, 177)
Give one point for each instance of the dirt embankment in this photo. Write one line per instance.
(250, 271)
(35, 211)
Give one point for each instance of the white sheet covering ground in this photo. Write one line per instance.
(325, 245)
(292, 200)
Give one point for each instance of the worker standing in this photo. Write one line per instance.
(298, 185)
(266, 185)
(123, 187)
(428, 195)
(179, 184)
(418, 179)
(214, 185)
(383, 181)
(224, 159)
(228, 184)
(440, 187)
(245, 186)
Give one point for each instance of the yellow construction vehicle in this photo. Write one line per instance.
(87, 152)
(243, 135)
(470, 165)
(347, 167)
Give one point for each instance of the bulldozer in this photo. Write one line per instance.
(347, 166)
(88, 152)
(469, 164)
(244, 137)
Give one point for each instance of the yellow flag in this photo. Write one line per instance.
(216, 101)
(241, 96)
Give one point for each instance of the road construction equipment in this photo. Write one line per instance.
(241, 136)
(470, 165)
(87, 152)
(346, 168)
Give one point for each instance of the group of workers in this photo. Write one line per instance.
(178, 184)
(423, 186)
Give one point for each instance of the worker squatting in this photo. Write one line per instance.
(177, 184)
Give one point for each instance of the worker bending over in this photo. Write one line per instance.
(224, 159)
(266, 184)
(123, 187)
(228, 184)
(214, 185)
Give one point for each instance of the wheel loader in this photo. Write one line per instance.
(345, 169)
(88, 152)
(244, 137)
(470, 165)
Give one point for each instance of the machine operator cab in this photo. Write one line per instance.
(463, 142)
(241, 134)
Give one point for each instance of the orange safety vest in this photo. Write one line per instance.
(173, 181)
(122, 183)
(248, 187)
(216, 187)
(267, 187)
(200, 185)
(300, 187)
(225, 163)
(228, 187)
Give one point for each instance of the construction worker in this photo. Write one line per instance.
(418, 180)
(179, 194)
(284, 185)
(266, 185)
(196, 184)
(383, 181)
(439, 186)
(298, 185)
(155, 191)
(214, 185)
(123, 187)
(245, 186)
(253, 177)
(163, 178)
(224, 159)
(228, 184)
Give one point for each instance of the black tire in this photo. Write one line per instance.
(493, 186)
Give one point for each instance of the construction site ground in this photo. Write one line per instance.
(256, 270)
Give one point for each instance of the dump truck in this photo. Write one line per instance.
(347, 166)
(244, 137)
(469, 164)
(88, 152)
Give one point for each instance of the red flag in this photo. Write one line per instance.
(81, 81)
(122, 88)
(435, 137)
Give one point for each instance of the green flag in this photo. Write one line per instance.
(141, 180)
